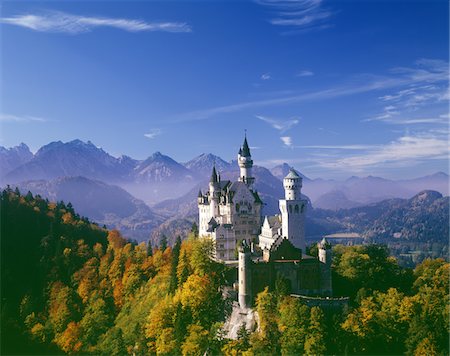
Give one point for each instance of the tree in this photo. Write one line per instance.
(174, 264)
(163, 243)
(293, 325)
(111, 343)
(149, 248)
(97, 319)
(267, 340)
(183, 268)
(196, 342)
(194, 229)
(315, 340)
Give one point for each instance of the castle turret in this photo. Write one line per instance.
(324, 248)
(214, 193)
(245, 164)
(244, 275)
(293, 209)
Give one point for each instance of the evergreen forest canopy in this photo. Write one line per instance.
(69, 286)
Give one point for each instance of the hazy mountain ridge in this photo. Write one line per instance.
(203, 164)
(422, 218)
(151, 179)
(105, 204)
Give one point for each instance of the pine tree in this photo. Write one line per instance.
(163, 243)
(173, 271)
(149, 248)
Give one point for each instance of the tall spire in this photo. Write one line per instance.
(214, 175)
(245, 148)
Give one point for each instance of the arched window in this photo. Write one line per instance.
(238, 207)
(303, 206)
(296, 208)
(290, 209)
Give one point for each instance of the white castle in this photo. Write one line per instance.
(230, 212)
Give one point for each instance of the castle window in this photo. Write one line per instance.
(296, 208)
(302, 208)
(290, 208)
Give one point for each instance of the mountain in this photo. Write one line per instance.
(160, 168)
(282, 171)
(74, 158)
(204, 163)
(422, 218)
(334, 200)
(160, 177)
(438, 181)
(105, 204)
(11, 158)
(372, 189)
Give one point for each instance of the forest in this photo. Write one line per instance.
(69, 286)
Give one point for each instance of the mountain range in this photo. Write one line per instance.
(136, 196)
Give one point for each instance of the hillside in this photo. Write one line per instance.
(423, 218)
(105, 204)
(41, 242)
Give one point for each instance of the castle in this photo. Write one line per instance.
(230, 214)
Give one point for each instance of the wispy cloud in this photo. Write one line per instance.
(23, 118)
(406, 150)
(298, 14)
(338, 147)
(61, 22)
(153, 133)
(411, 105)
(287, 141)
(266, 76)
(279, 125)
(304, 73)
(416, 75)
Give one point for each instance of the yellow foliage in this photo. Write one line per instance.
(69, 340)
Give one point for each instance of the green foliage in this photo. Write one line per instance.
(163, 243)
(293, 325)
(369, 267)
(315, 340)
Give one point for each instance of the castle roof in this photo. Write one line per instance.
(245, 151)
(214, 177)
(324, 244)
(273, 221)
(292, 174)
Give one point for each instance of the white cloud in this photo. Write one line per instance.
(23, 118)
(338, 147)
(304, 73)
(266, 76)
(61, 22)
(373, 83)
(279, 125)
(153, 133)
(406, 150)
(298, 14)
(287, 140)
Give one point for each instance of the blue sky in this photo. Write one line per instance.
(335, 88)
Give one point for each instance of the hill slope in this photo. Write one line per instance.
(106, 204)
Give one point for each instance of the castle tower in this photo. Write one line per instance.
(244, 276)
(214, 193)
(245, 164)
(324, 248)
(293, 209)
